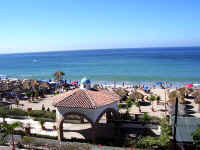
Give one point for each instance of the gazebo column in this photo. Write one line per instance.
(82, 119)
(60, 128)
(108, 117)
(94, 133)
(117, 126)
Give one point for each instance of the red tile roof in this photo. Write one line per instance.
(83, 98)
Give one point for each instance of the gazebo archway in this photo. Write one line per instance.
(60, 123)
(111, 114)
(86, 102)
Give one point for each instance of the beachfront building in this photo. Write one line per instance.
(89, 103)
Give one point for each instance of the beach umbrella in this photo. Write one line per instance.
(145, 88)
(188, 85)
(185, 91)
(195, 93)
(159, 83)
(176, 94)
(74, 82)
(136, 95)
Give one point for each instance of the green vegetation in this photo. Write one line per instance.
(17, 112)
(129, 104)
(160, 142)
(28, 140)
(28, 94)
(146, 118)
(42, 114)
(152, 98)
(196, 138)
(3, 112)
(137, 104)
(42, 121)
(58, 75)
(119, 106)
(8, 129)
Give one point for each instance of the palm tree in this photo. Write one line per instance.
(43, 87)
(152, 98)
(137, 104)
(158, 99)
(129, 104)
(9, 130)
(58, 75)
(35, 88)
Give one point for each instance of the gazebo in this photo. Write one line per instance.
(86, 102)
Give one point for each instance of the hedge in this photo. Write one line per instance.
(42, 114)
(17, 112)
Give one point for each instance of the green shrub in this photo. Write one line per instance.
(158, 98)
(149, 142)
(17, 112)
(146, 117)
(42, 114)
(28, 140)
(4, 111)
(36, 113)
(196, 137)
(50, 115)
(28, 94)
(152, 98)
(77, 147)
(129, 104)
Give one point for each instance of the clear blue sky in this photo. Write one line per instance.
(42, 25)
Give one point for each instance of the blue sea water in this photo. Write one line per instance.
(134, 64)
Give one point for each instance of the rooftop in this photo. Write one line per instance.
(84, 98)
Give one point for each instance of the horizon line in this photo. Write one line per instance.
(90, 49)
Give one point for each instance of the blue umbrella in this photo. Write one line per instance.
(159, 83)
(145, 88)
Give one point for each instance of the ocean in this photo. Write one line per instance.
(108, 65)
